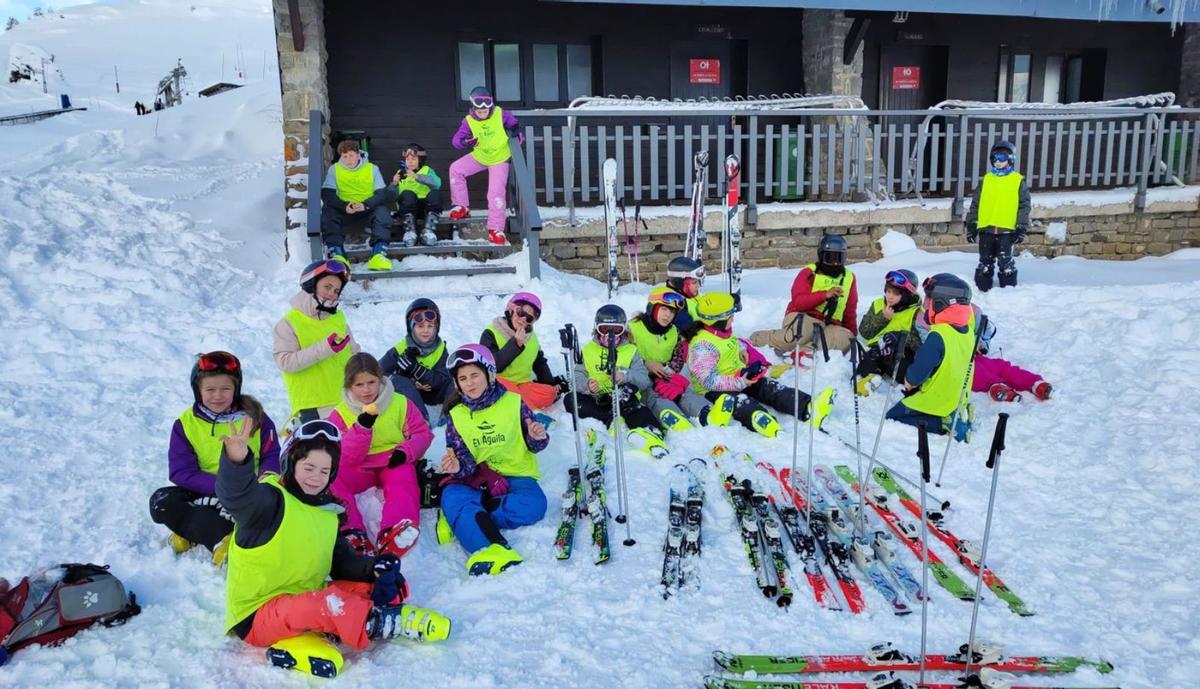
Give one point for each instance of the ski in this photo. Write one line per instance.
(610, 221)
(967, 551)
(747, 526)
(571, 498)
(835, 555)
(673, 546)
(908, 532)
(597, 502)
(768, 530)
(802, 542)
(877, 682)
(689, 565)
(694, 245)
(733, 229)
(885, 657)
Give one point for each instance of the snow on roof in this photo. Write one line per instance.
(786, 101)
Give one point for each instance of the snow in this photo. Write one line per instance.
(1056, 231)
(137, 242)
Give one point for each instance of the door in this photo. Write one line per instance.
(712, 68)
(911, 77)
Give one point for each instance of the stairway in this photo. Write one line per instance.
(481, 251)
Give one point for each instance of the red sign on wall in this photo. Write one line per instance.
(904, 78)
(704, 71)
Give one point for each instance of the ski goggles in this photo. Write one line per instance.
(898, 279)
(218, 361)
(332, 266)
(412, 152)
(422, 316)
(672, 300)
(318, 428)
(529, 315)
(1001, 157)
(482, 101)
(462, 357)
(610, 329)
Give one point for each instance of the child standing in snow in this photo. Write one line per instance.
(286, 546)
(723, 366)
(417, 364)
(418, 192)
(518, 356)
(998, 217)
(312, 342)
(594, 385)
(383, 437)
(354, 188)
(665, 352)
(888, 325)
(190, 508)
(491, 438)
(485, 130)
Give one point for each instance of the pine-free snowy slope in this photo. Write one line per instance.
(132, 250)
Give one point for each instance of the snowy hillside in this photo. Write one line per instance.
(134, 242)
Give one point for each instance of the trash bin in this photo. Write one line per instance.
(64, 101)
(785, 158)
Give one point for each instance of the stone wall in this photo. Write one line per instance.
(787, 236)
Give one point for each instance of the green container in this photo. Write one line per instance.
(785, 158)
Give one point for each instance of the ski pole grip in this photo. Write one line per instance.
(998, 439)
(565, 338)
(819, 333)
(797, 327)
(923, 451)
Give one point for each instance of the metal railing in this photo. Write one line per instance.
(853, 154)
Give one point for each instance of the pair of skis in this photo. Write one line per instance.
(595, 504)
(612, 208)
(681, 551)
(731, 239)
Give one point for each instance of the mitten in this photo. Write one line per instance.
(335, 344)
(390, 587)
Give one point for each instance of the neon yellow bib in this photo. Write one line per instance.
(388, 431)
(901, 322)
(492, 146)
(205, 439)
(494, 436)
(319, 385)
(407, 184)
(999, 200)
(823, 283)
(354, 186)
(730, 361)
(656, 348)
(940, 394)
(595, 360)
(521, 369)
(428, 361)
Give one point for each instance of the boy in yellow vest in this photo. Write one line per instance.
(485, 131)
(418, 192)
(353, 189)
(999, 217)
(887, 326)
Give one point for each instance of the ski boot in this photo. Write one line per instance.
(648, 440)
(459, 213)
(179, 544)
(761, 420)
(820, 406)
(497, 237)
(673, 421)
(1042, 390)
(398, 538)
(429, 229)
(983, 277)
(221, 551)
(444, 533)
(409, 223)
(861, 554)
(492, 560)
(408, 621)
(1008, 275)
(1003, 392)
(310, 653)
(358, 542)
(337, 253)
(379, 259)
(868, 384)
(720, 413)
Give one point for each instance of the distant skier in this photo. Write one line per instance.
(485, 130)
(418, 191)
(998, 217)
(354, 188)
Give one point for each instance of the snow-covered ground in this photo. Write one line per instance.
(134, 243)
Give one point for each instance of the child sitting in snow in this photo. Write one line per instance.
(383, 436)
(888, 326)
(417, 364)
(491, 438)
(190, 508)
(594, 384)
(518, 357)
(286, 547)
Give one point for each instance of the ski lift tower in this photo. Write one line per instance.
(170, 87)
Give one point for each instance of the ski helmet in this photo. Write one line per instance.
(217, 363)
(525, 298)
(609, 326)
(664, 297)
(317, 434)
(832, 251)
(714, 307)
(1002, 152)
(319, 269)
(471, 354)
(421, 308)
(680, 269)
(903, 279)
(418, 150)
(944, 290)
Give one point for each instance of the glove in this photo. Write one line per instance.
(754, 371)
(398, 457)
(972, 233)
(471, 141)
(626, 392)
(1021, 232)
(367, 420)
(419, 373)
(487, 477)
(887, 344)
(671, 388)
(752, 353)
(390, 587)
(406, 364)
(335, 344)
(561, 383)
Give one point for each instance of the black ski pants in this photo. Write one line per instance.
(874, 360)
(196, 517)
(408, 202)
(995, 249)
(334, 222)
(634, 413)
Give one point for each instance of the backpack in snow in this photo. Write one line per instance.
(59, 602)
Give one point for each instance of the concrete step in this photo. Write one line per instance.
(481, 269)
(397, 250)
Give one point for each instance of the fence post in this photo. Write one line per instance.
(956, 209)
(569, 183)
(1139, 200)
(752, 143)
(316, 146)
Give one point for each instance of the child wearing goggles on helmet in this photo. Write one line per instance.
(417, 364)
(998, 217)
(685, 277)
(889, 331)
(312, 342)
(485, 130)
(418, 191)
(520, 362)
(286, 547)
(383, 437)
(595, 389)
(190, 508)
(492, 482)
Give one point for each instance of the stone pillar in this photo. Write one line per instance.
(1188, 93)
(824, 38)
(303, 85)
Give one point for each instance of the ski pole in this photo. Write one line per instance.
(854, 360)
(923, 454)
(963, 396)
(796, 397)
(818, 336)
(618, 443)
(638, 223)
(567, 338)
(887, 402)
(993, 463)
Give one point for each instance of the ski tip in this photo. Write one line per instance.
(725, 660)
(714, 682)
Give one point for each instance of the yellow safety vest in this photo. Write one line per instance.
(388, 431)
(319, 385)
(999, 200)
(205, 439)
(940, 394)
(492, 145)
(428, 361)
(406, 184)
(730, 361)
(656, 348)
(357, 185)
(297, 559)
(494, 436)
(521, 369)
(901, 322)
(823, 283)
(595, 360)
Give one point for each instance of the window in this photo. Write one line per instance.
(1074, 79)
(1052, 83)
(579, 71)
(1013, 84)
(506, 58)
(545, 72)
(472, 70)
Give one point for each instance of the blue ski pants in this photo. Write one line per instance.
(522, 505)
